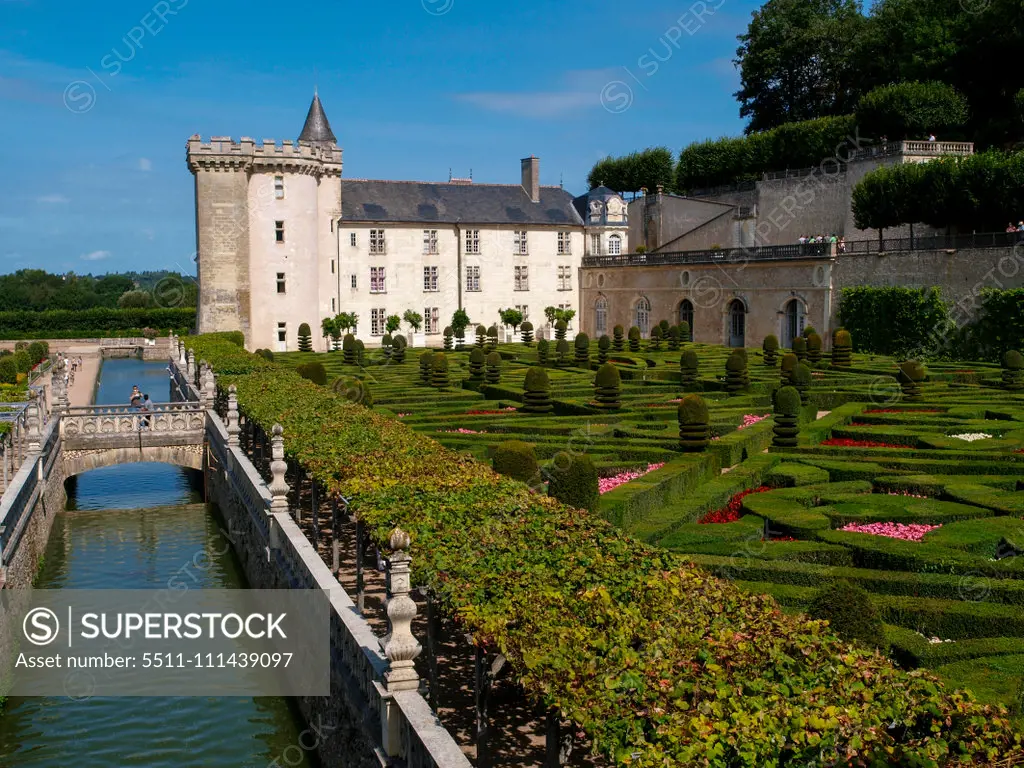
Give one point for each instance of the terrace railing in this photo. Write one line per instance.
(715, 256)
(937, 242)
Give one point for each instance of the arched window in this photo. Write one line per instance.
(792, 323)
(686, 314)
(737, 324)
(642, 319)
(614, 245)
(601, 316)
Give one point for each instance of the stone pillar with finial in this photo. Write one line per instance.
(190, 366)
(401, 647)
(33, 437)
(232, 428)
(278, 487)
(210, 388)
(182, 356)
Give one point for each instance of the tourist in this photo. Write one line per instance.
(1020, 226)
(136, 397)
(931, 137)
(802, 239)
(841, 245)
(1010, 227)
(144, 409)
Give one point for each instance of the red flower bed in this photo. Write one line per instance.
(730, 513)
(780, 538)
(846, 442)
(490, 413)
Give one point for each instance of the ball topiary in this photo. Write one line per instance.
(398, 346)
(787, 418)
(910, 376)
(476, 364)
(581, 350)
(770, 347)
(526, 332)
(655, 342)
(517, 460)
(572, 480)
(562, 360)
(492, 338)
(634, 339)
(493, 368)
(694, 424)
(618, 334)
(808, 331)
(789, 362)
(560, 328)
(1013, 375)
(543, 350)
(305, 338)
(481, 336)
(685, 332)
(439, 371)
(842, 349)
(813, 348)
(608, 387)
(688, 365)
(850, 613)
(603, 345)
(801, 379)
(348, 349)
(735, 373)
(426, 366)
(354, 390)
(536, 392)
(800, 348)
(314, 372)
(385, 345)
(449, 339)
(673, 338)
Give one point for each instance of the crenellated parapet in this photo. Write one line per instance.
(222, 153)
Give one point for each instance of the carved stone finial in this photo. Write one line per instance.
(182, 357)
(233, 429)
(401, 647)
(209, 387)
(32, 434)
(278, 487)
(190, 365)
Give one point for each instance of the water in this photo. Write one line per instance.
(133, 527)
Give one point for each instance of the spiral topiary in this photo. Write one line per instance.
(813, 348)
(492, 338)
(562, 358)
(426, 366)
(910, 376)
(581, 350)
(608, 387)
(655, 342)
(787, 418)
(634, 339)
(801, 379)
(543, 350)
(685, 332)
(789, 362)
(439, 371)
(536, 392)
(573, 481)
(449, 339)
(1013, 375)
(618, 334)
(735, 373)
(526, 332)
(842, 349)
(348, 349)
(560, 328)
(354, 390)
(770, 347)
(664, 325)
(673, 338)
(603, 345)
(694, 424)
(476, 364)
(688, 365)
(481, 336)
(493, 368)
(398, 347)
(800, 348)
(305, 338)
(517, 460)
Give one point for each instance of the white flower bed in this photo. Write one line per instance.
(970, 437)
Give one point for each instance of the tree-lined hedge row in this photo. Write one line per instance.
(61, 323)
(633, 172)
(657, 661)
(979, 192)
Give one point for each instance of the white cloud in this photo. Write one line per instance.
(52, 199)
(582, 89)
(145, 164)
(96, 256)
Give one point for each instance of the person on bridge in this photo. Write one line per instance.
(145, 408)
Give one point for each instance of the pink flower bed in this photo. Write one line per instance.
(904, 531)
(464, 431)
(403, 415)
(605, 484)
(751, 419)
(908, 493)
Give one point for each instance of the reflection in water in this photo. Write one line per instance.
(136, 527)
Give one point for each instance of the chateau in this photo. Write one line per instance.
(283, 239)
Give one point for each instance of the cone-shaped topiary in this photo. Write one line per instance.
(770, 347)
(449, 339)
(603, 345)
(688, 365)
(354, 390)
(608, 387)
(801, 379)
(850, 613)
(581, 350)
(315, 372)
(910, 376)
(634, 339)
(573, 480)
(536, 392)
(789, 362)
(673, 338)
(481, 336)
(800, 348)
(560, 328)
(685, 332)
(1013, 375)
(492, 338)
(842, 349)
(526, 332)
(385, 345)
(439, 371)
(517, 460)
(543, 351)
(735, 373)
(493, 368)
(655, 342)
(813, 348)
(398, 347)
(426, 366)
(563, 360)
(694, 424)
(305, 338)
(618, 334)
(787, 418)
(348, 348)
(476, 364)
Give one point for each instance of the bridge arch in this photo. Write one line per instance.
(77, 462)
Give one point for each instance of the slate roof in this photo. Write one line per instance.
(582, 203)
(316, 128)
(427, 202)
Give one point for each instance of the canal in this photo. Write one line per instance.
(137, 526)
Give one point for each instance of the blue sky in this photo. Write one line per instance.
(98, 99)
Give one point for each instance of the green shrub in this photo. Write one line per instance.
(493, 368)
(349, 350)
(617, 337)
(814, 348)
(688, 368)
(581, 345)
(560, 328)
(786, 428)
(685, 334)
(573, 480)
(543, 349)
(526, 332)
(850, 613)
(37, 351)
(603, 345)
(315, 372)
(398, 346)
(770, 347)
(8, 370)
(664, 326)
(634, 339)
(673, 338)
(608, 387)
(536, 391)
(360, 352)
(476, 364)
(562, 352)
(305, 338)
(800, 348)
(354, 390)
(449, 342)
(808, 330)
(517, 460)
(694, 424)
(909, 110)
(735, 373)
(23, 360)
(426, 367)
(268, 355)
(789, 362)
(842, 349)
(94, 322)
(1013, 375)
(655, 343)
(481, 336)
(801, 379)
(492, 338)
(385, 345)
(439, 371)
(910, 376)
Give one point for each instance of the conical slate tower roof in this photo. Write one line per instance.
(317, 129)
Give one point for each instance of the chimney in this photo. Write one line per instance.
(531, 177)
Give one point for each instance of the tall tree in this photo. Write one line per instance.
(630, 173)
